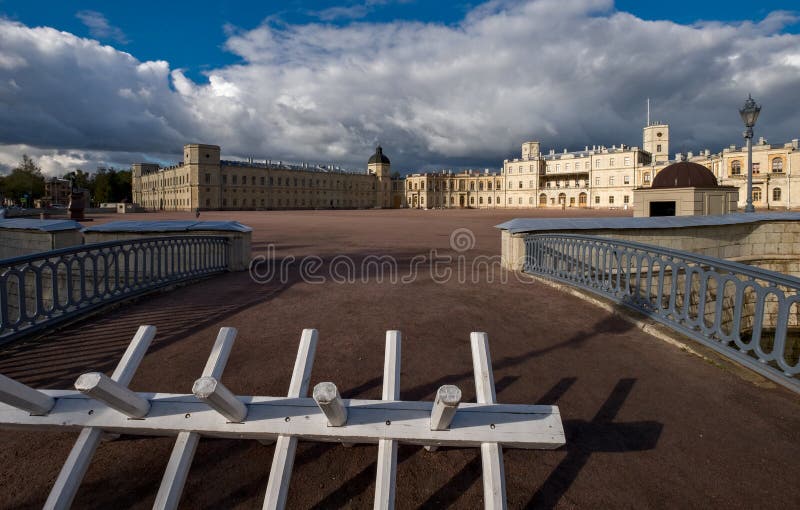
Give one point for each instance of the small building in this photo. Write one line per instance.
(685, 189)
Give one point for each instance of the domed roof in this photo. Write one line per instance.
(378, 157)
(685, 175)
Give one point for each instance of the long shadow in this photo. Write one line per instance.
(96, 343)
(472, 472)
(600, 434)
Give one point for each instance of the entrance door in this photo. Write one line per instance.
(461, 200)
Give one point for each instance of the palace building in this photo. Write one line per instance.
(595, 177)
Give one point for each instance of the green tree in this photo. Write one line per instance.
(80, 178)
(24, 182)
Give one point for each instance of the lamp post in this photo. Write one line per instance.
(749, 113)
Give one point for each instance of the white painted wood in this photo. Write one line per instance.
(180, 460)
(444, 409)
(280, 474)
(101, 387)
(494, 480)
(133, 355)
(387, 448)
(516, 426)
(330, 403)
(219, 398)
(24, 397)
(220, 353)
(73, 470)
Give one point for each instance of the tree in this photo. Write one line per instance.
(24, 182)
(110, 185)
(79, 178)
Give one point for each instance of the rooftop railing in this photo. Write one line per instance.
(43, 289)
(747, 314)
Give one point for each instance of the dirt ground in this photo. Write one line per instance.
(647, 424)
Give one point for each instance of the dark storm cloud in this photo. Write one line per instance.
(566, 72)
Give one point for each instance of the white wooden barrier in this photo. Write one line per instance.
(104, 404)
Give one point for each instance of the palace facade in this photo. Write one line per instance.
(596, 177)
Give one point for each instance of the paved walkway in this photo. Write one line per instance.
(648, 425)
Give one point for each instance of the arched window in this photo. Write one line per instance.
(542, 199)
(472, 186)
(756, 194)
(777, 165)
(489, 200)
(736, 167)
(776, 194)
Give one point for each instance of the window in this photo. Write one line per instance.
(611, 181)
(777, 165)
(530, 184)
(596, 200)
(224, 179)
(471, 200)
(776, 194)
(489, 200)
(610, 161)
(489, 185)
(587, 165)
(520, 184)
(510, 200)
(626, 179)
(511, 169)
(234, 181)
(208, 177)
(597, 181)
(519, 200)
(611, 199)
(647, 177)
(530, 200)
(625, 199)
(566, 167)
(472, 186)
(597, 163)
(756, 168)
(558, 167)
(263, 181)
(756, 194)
(658, 148)
(736, 167)
(480, 200)
(627, 161)
(480, 186)
(253, 182)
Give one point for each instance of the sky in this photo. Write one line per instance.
(437, 84)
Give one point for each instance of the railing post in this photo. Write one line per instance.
(387, 448)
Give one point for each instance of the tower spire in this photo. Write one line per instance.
(648, 111)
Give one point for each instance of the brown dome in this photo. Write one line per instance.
(685, 175)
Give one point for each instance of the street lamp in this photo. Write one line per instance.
(749, 113)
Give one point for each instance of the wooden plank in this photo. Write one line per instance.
(494, 480)
(73, 470)
(386, 477)
(327, 397)
(516, 426)
(444, 409)
(100, 387)
(280, 474)
(24, 397)
(180, 460)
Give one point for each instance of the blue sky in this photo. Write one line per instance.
(169, 30)
(439, 84)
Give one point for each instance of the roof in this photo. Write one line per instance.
(168, 226)
(685, 174)
(520, 225)
(378, 157)
(41, 225)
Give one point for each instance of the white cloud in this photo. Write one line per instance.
(567, 72)
(99, 26)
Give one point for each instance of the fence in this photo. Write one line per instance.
(105, 404)
(40, 290)
(747, 314)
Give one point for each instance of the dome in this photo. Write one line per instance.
(378, 157)
(685, 175)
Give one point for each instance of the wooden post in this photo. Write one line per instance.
(283, 459)
(327, 397)
(387, 448)
(24, 397)
(73, 470)
(101, 387)
(494, 481)
(220, 398)
(180, 460)
(444, 409)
